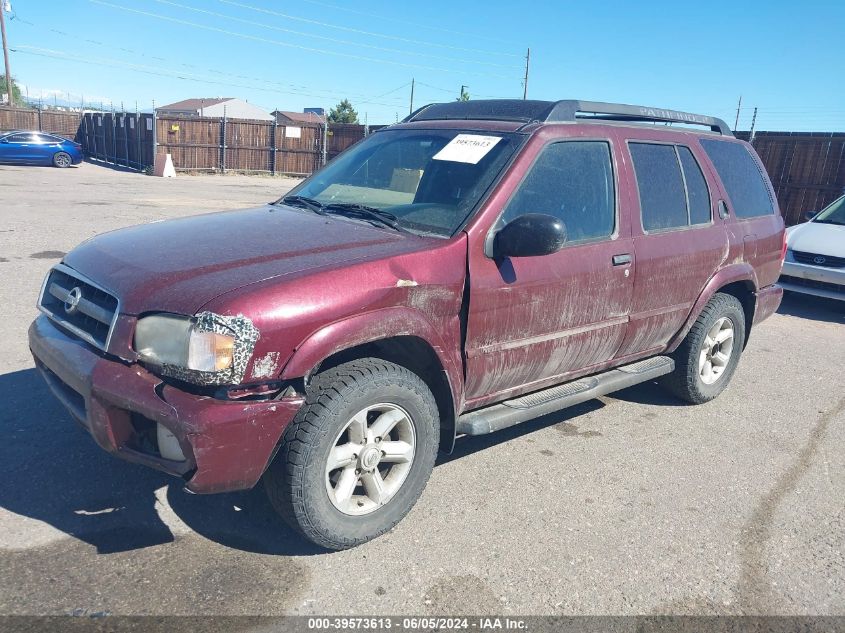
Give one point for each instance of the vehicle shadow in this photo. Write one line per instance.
(650, 393)
(112, 166)
(52, 471)
(468, 445)
(812, 307)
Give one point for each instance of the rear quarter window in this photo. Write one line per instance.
(742, 178)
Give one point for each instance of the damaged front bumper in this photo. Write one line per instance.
(226, 445)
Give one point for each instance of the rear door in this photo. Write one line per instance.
(44, 146)
(751, 205)
(679, 239)
(532, 320)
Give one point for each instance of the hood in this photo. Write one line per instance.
(180, 265)
(818, 238)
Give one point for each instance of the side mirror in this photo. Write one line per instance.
(530, 235)
(809, 215)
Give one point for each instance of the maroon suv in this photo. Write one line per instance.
(478, 265)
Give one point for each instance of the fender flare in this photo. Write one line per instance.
(370, 327)
(739, 272)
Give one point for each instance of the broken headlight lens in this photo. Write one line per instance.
(168, 339)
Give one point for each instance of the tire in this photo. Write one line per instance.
(62, 160)
(690, 381)
(313, 499)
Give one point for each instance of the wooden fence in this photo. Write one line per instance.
(807, 169)
(214, 144)
(56, 122)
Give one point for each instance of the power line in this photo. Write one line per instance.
(362, 32)
(280, 43)
(451, 91)
(159, 72)
(296, 88)
(326, 38)
(399, 21)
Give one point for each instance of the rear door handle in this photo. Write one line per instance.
(621, 260)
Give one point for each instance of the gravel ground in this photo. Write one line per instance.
(631, 504)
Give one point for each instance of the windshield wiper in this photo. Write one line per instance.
(363, 211)
(834, 222)
(308, 203)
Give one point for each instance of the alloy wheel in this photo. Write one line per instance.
(370, 459)
(716, 351)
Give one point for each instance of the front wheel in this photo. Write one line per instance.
(358, 455)
(62, 159)
(706, 360)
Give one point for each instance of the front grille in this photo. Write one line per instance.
(812, 283)
(79, 305)
(815, 259)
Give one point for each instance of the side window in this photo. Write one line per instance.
(572, 180)
(741, 176)
(45, 139)
(18, 138)
(698, 195)
(661, 185)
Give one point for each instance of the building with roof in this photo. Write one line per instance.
(215, 107)
(309, 115)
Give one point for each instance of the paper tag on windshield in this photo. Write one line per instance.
(467, 148)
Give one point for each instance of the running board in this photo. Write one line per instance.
(511, 412)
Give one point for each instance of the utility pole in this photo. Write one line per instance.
(325, 138)
(738, 106)
(411, 109)
(3, 5)
(753, 121)
(525, 81)
(463, 91)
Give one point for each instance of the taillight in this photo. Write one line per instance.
(783, 249)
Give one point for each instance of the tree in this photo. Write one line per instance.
(464, 95)
(16, 92)
(343, 112)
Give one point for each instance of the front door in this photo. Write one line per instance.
(16, 148)
(533, 320)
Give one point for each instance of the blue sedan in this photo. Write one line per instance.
(38, 148)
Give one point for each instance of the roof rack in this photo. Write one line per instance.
(529, 111)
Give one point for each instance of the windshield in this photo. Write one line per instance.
(833, 214)
(428, 180)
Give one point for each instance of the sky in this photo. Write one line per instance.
(783, 58)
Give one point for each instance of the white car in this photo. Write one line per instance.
(815, 254)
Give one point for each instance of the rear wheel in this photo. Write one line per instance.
(62, 159)
(706, 360)
(357, 456)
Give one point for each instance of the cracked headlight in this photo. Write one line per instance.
(208, 349)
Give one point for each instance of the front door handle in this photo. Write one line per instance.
(621, 260)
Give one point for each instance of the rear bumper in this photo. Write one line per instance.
(767, 302)
(227, 445)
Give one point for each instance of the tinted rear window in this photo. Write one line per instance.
(699, 196)
(741, 177)
(46, 138)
